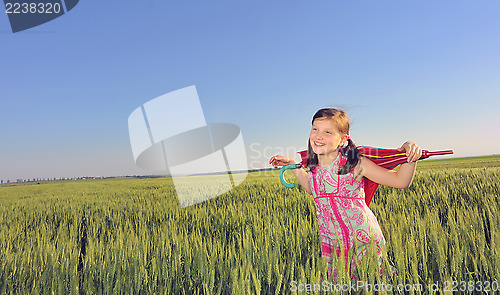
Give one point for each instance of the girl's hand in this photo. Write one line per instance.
(281, 161)
(413, 151)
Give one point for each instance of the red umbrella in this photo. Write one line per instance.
(386, 158)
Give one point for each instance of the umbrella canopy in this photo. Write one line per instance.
(387, 158)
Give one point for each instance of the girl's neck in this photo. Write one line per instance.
(326, 159)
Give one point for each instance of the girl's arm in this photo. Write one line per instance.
(301, 175)
(398, 179)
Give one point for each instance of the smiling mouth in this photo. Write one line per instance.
(318, 144)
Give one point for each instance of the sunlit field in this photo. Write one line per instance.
(129, 235)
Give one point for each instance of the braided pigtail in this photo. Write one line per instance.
(352, 154)
(312, 158)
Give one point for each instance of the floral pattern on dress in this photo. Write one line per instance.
(344, 219)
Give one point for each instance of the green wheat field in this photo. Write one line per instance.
(129, 236)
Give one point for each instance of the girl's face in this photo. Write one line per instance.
(324, 137)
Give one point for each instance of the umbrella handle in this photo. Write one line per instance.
(282, 176)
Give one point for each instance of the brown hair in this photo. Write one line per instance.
(341, 121)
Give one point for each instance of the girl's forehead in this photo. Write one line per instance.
(325, 122)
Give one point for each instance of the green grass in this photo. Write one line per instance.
(469, 162)
(131, 236)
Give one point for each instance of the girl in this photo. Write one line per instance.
(334, 178)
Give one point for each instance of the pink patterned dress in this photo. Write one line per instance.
(345, 221)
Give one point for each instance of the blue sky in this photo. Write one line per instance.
(427, 71)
